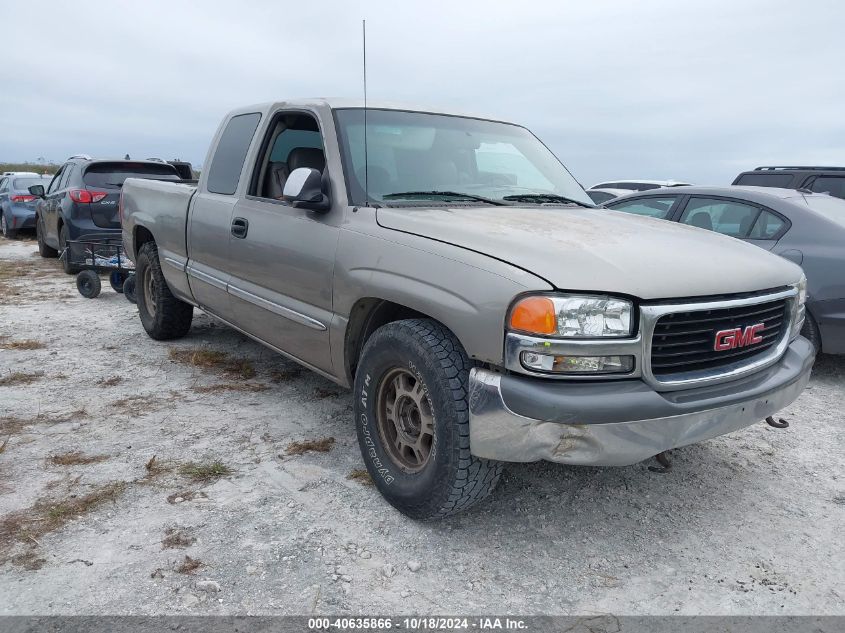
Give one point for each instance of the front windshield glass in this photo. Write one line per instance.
(415, 157)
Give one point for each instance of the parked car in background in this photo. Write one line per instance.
(600, 196)
(638, 185)
(31, 174)
(82, 200)
(808, 229)
(460, 280)
(829, 180)
(17, 204)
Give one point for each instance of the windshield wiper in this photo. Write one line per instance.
(445, 194)
(545, 198)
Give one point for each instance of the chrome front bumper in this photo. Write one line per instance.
(616, 423)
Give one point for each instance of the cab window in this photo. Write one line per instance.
(651, 207)
(727, 217)
(293, 141)
(767, 226)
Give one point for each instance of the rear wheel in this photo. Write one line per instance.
(412, 419)
(8, 232)
(88, 283)
(811, 332)
(163, 316)
(64, 238)
(43, 249)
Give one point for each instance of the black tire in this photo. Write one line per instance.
(43, 250)
(163, 316)
(451, 479)
(8, 232)
(129, 289)
(811, 332)
(116, 281)
(63, 240)
(88, 283)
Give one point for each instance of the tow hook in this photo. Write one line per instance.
(664, 461)
(780, 423)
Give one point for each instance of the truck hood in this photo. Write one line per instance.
(600, 250)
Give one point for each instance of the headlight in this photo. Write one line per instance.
(798, 309)
(572, 316)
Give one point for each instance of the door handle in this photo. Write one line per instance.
(240, 226)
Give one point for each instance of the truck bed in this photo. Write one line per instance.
(160, 206)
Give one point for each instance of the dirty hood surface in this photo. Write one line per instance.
(601, 250)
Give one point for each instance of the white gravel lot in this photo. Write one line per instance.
(750, 523)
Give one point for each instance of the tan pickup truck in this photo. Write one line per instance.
(453, 273)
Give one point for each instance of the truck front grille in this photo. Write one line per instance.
(685, 341)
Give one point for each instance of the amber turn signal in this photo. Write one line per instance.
(535, 315)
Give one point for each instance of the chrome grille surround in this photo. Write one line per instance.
(640, 346)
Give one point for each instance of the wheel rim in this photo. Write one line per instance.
(405, 420)
(149, 292)
(3, 223)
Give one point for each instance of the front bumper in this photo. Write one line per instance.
(616, 423)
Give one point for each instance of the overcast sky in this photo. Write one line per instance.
(693, 90)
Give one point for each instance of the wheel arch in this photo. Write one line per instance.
(367, 315)
(140, 236)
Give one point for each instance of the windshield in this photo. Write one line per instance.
(417, 157)
(830, 207)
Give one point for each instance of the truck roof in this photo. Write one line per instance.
(336, 103)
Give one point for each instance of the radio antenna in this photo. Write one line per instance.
(366, 156)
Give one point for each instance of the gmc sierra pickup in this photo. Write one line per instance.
(454, 274)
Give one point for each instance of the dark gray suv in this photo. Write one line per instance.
(82, 200)
(806, 228)
(829, 180)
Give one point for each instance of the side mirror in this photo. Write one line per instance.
(37, 190)
(305, 189)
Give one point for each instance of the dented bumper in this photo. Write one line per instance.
(616, 423)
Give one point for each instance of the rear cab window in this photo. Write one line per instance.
(230, 154)
(112, 175)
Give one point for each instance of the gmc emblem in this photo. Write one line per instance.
(731, 339)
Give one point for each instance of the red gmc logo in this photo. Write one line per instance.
(731, 339)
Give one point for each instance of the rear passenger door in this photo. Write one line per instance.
(210, 216)
(736, 218)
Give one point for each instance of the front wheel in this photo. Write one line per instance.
(43, 250)
(163, 316)
(412, 419)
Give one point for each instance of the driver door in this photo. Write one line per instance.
(283, 257)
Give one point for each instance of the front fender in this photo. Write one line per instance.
(466, 291)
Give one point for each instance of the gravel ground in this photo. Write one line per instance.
(229, 518)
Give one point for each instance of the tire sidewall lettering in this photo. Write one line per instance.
(366, 431)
